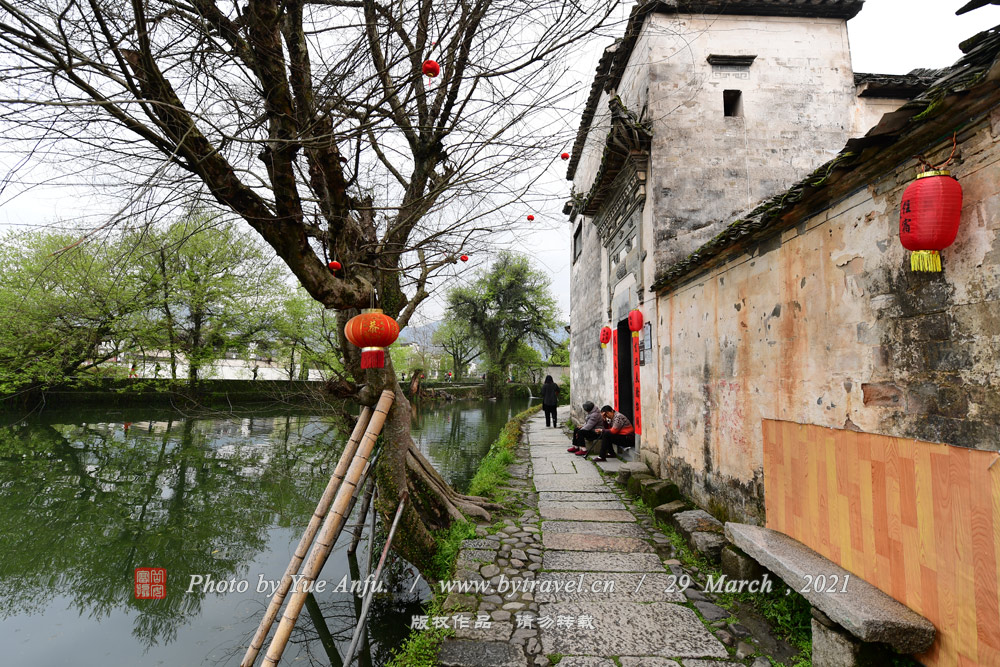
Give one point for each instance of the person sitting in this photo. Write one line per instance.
(589, 430)
(619, 432)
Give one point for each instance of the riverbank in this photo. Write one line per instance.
(120, 393)
(422, 646)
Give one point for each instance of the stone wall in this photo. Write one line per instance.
(798, 97)
(825, 324)
(590, 370)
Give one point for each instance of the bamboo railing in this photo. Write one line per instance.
(340, 493)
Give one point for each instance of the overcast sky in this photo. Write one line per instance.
(888, 36)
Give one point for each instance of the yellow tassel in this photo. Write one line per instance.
(925, 260)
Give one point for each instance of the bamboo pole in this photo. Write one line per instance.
(370, 593)
(359, 527)
(331, 526)
(307, 537)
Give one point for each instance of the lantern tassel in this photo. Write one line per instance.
(635, 334)
(373, 357)
(925, 260)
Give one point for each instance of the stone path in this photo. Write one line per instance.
(596, 580)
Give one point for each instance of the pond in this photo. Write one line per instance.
(88, 495)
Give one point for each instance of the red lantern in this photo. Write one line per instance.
(928, 218)
(335, 265)
(464, 258)
(635, 322)
(565, 156)
(531, 218)
(605, 336)
(372, 331)
(431, 68)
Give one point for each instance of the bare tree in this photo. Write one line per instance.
(310, 120)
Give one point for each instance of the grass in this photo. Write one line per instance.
(492, 471)
(421, 647)
(449, 542)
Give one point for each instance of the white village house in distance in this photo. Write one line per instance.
(736, 182)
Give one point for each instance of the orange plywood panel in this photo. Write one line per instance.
(919, 520)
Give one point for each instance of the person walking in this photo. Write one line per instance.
(589, 431)
(550, 399)
(619, 432)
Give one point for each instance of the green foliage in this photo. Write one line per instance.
(305, 335)
(507, 306)
(455, 337)
(216, 289)
(421, 648)
(449, 543)
(66, 307)
(560, 355)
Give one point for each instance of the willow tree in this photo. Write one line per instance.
(311, 121)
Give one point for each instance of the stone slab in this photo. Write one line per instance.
(625, 586)
(626, 470)
(696, 521)
(698, 663)
(567, 483)
(474, 557)
(585, 661)
(609, 466)
(863, 610)
(661, 662)
(588, 514)
(666, 511)
(585, 542)
(583, 504)
(630, 629)
(499, 631)
(481, 543)
(466, 653)
(606, 528)
(601, 562)
(599, 493)
(708, 544)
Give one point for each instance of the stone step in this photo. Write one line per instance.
(468, 653)
(862, 609)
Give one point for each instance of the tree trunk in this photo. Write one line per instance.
(433, 504)
(195, 350)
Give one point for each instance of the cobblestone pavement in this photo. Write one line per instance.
(595, 581)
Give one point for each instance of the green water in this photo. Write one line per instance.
(88, 495)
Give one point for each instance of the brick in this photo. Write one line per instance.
(882, 394)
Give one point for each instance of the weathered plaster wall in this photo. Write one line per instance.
(868, 111)
(590, 368)
(825, 324)
(798, 98)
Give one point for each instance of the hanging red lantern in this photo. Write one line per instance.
(464, 258)
(928, 218)
(335, 265)
(431, 68)
(372, 331)
(605, 336)
(531, 218)
(565, 156)
(635, 322)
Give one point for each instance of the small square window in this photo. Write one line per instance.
(732, 103)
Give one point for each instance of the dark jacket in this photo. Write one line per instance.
(550, 393)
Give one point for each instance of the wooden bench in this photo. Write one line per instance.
(868, 615)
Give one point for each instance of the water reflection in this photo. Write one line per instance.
(86, 497)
